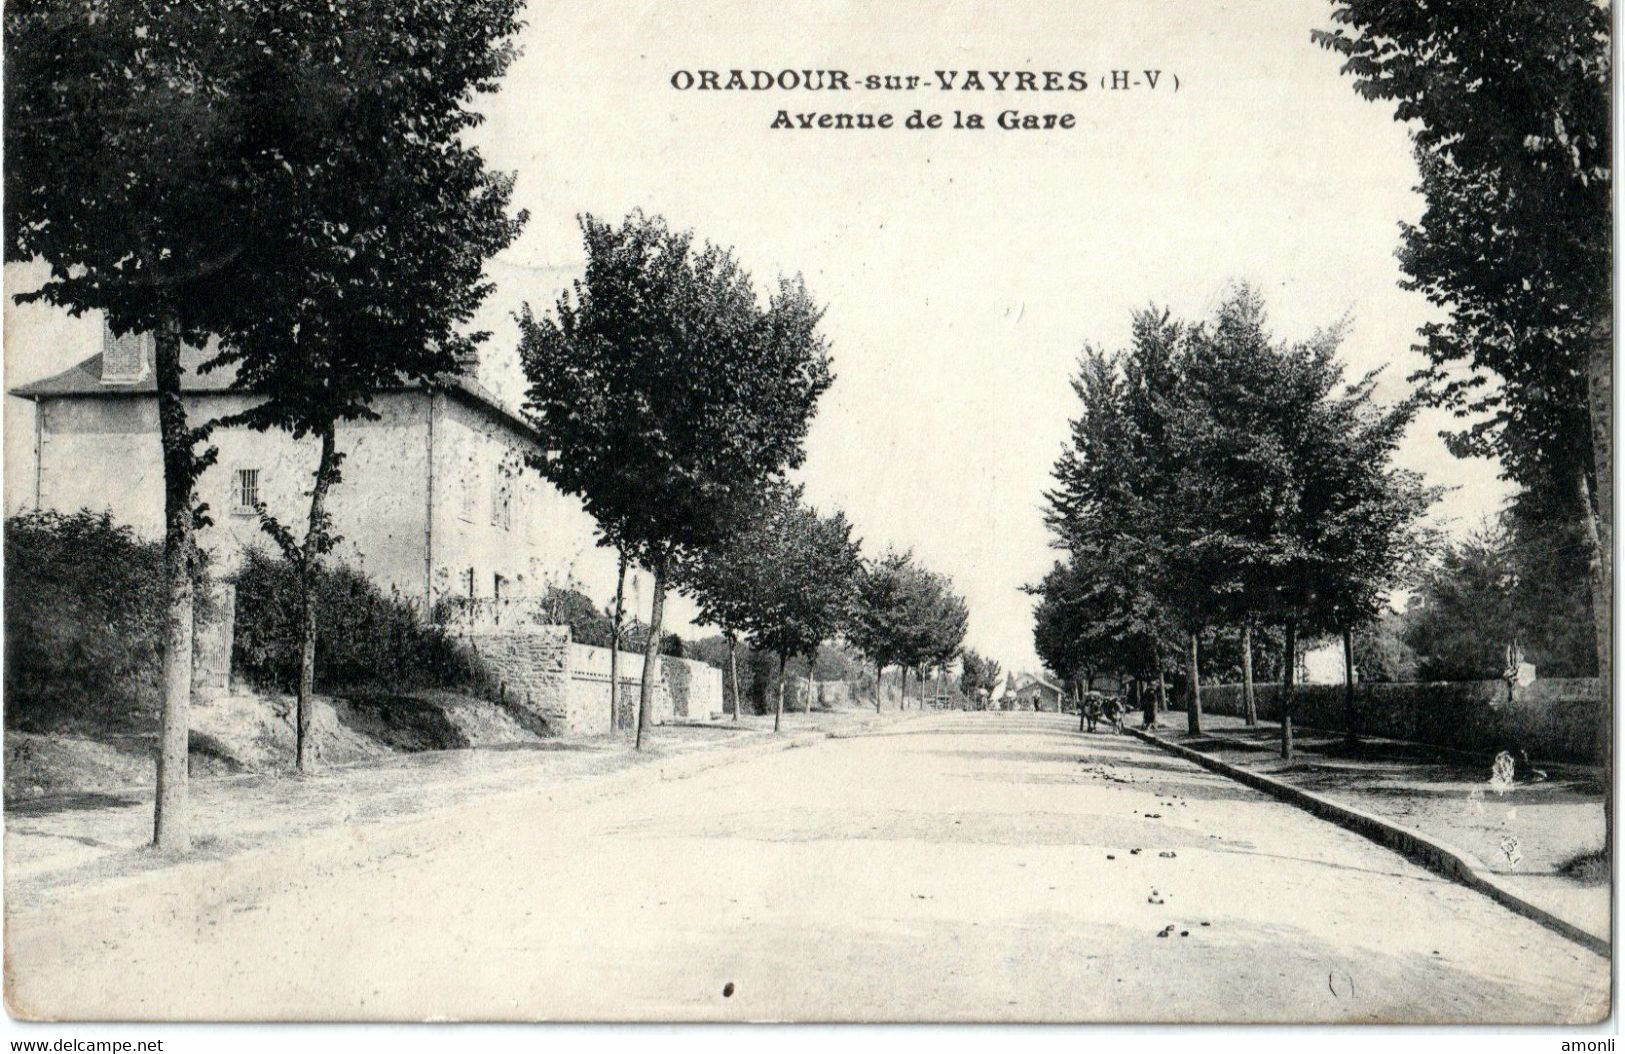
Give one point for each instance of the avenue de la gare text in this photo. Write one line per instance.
(919, 120)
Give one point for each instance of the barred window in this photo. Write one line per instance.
(246, 490)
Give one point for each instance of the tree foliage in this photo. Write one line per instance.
(667, 397)
(176, 163)
(84, 623)
(1508, 107)
(807, 566)
(978, 675)
(1217, 477)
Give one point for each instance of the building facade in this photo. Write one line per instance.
(435, 498)
(1033, 692)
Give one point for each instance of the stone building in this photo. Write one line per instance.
(435, 501)
(1037, 692)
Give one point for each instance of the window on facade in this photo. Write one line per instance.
(246, 490)
(469, 496)
(502, 504)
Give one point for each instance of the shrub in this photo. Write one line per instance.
(366, 641)
(573, 608)
(84, 619)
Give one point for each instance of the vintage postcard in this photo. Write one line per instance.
(629, 511)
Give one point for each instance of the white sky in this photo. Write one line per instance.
(964, 271)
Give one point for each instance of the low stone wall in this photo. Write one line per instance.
(530, 666)
(687, 690)
(694, 688)
(567, 683)
(589, 688)
(1553, 719)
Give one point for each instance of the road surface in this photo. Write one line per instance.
(953, 867)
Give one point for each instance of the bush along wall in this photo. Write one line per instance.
(1549, 719)
(367, 642)
(84, 611)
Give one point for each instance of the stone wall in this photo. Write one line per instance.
(694, 689)
(530, 665)
(566, 683)
(1553, 719)
(687, 691)
(589, 687)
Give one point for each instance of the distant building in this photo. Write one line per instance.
(1323, 664)
(435, 499)
(1037, 692)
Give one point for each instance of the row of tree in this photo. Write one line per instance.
(283, 184)
(288, 190)
(795, 580)
(1218, 480)
(673, 403)
(1509, 113)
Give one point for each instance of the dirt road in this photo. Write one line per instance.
(966, 867)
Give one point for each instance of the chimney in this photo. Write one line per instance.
(124, 358)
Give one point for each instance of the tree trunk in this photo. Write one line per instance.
(778, 713)
(879, 670)
(902, 690)
(615, 645)
(1193, 707)
(1247, 674)
(315, 544)
(1288, 676)
(733, 668)
(1599, 537)
(1351, 716)
(1600, 573)
(171, 828)
(1162, 681)
(809, 687)
(651, 650)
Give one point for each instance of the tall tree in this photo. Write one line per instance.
(667, 396)
(1509, 109)
(808, 571)
(1286, 483)
(386, 247)
(1230, 437)
(728, 581)
(158, 155)
(978, 676)
(1367, 527)
(885, 602)
(930, 623)
(1106, 606)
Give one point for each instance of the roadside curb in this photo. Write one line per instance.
(1458, 865)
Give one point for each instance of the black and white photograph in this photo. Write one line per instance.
(1092, 513)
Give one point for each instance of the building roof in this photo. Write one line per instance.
(85, 381)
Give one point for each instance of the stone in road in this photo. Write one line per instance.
(961, 866)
